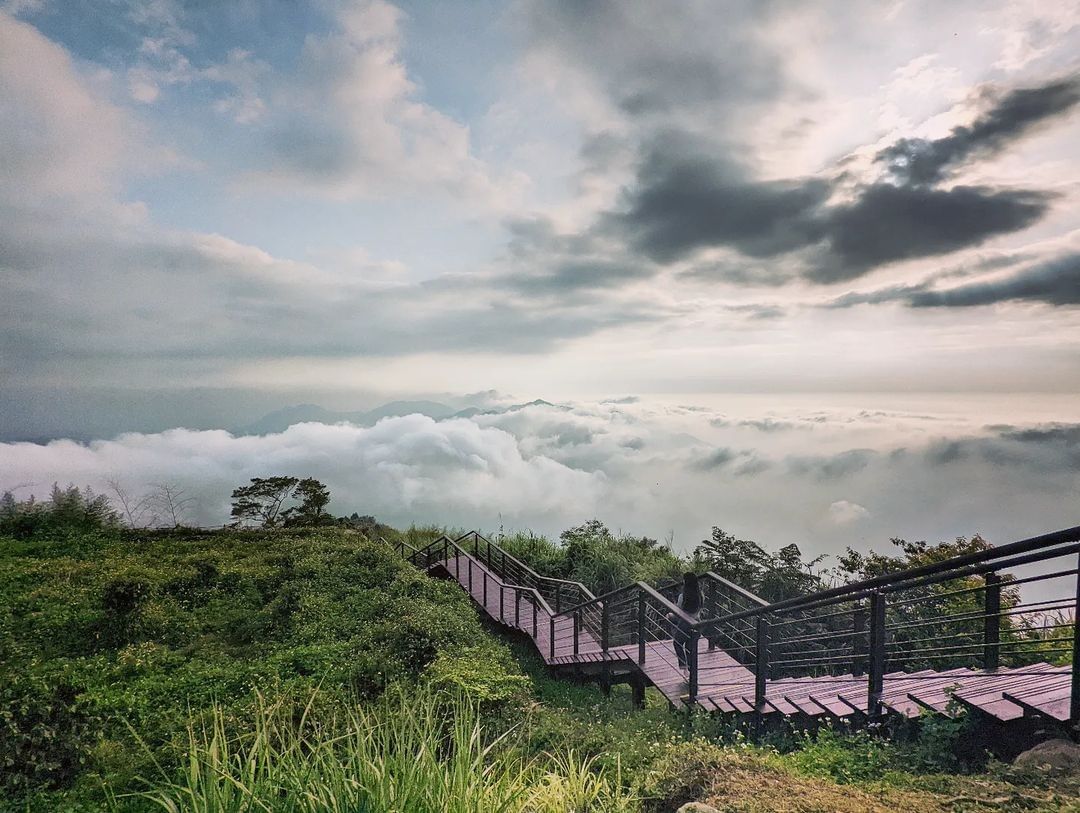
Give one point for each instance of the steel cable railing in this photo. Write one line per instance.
(964, 612)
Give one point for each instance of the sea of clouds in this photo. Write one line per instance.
(825, 478)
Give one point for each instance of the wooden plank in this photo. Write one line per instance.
(987, 696)
(1055, 707)
(782, 705)
(739, 704)
(833, 705)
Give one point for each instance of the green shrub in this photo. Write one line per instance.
(484, 674)
(144, 632)
(845, 758)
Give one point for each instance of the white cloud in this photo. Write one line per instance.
(635, 466)
(350, 125)
(843, 512)
(59, 136)
(401, 469)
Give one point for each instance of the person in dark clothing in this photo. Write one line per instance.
(689, 602)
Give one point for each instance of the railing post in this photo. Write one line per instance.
(552, 642)
(992, 622)
(692, 663)
(876, 677)
(534, 603)
(517, 607)
(641, 628)
(502, 602)
(484, 573)
(710, 593)
(761, 662)
(1074, 703)
(605, 633)
(470, 575)
(859, 643)
(577, 627)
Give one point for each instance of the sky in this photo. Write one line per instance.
(818, 253)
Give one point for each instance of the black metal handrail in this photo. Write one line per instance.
(847, 628)
(898, 620)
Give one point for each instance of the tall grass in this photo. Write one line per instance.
(408, 753)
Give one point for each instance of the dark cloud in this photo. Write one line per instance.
(688, 194)
(716, 459)
(920, 161)
(752, 467)
(832, 467)
(1055, 282)
(889, 223)
(769, 425)
(583, 274)
(684, 200)
(1054, 434)
(1048, 448)
(651, 61)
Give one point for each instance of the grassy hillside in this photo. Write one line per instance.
(313, 669)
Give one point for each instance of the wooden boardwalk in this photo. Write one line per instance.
(725, 685)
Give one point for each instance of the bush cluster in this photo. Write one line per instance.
(110, 649)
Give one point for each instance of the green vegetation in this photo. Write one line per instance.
(309, 668)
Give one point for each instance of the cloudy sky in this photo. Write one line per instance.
(832, 248)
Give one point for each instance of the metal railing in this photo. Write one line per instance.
(967, 611)
(502, 599)
(975, 611)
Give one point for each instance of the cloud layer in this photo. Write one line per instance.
(853, 477)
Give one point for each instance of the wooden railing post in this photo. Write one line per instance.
(534, 603)
(859, 642)
(484, 573)
(470, 575)
(517, 607)
(992, 622)
(577, 628)
(641, 628)
(761, 662)
(552, 643)
(876, 677)
(502, 602)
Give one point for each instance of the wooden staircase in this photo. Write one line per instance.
(841, 653)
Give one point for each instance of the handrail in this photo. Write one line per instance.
(742, 591)
(846, 634)
(905, 579)
(525, 567)
(445, 540)
(636, 586)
